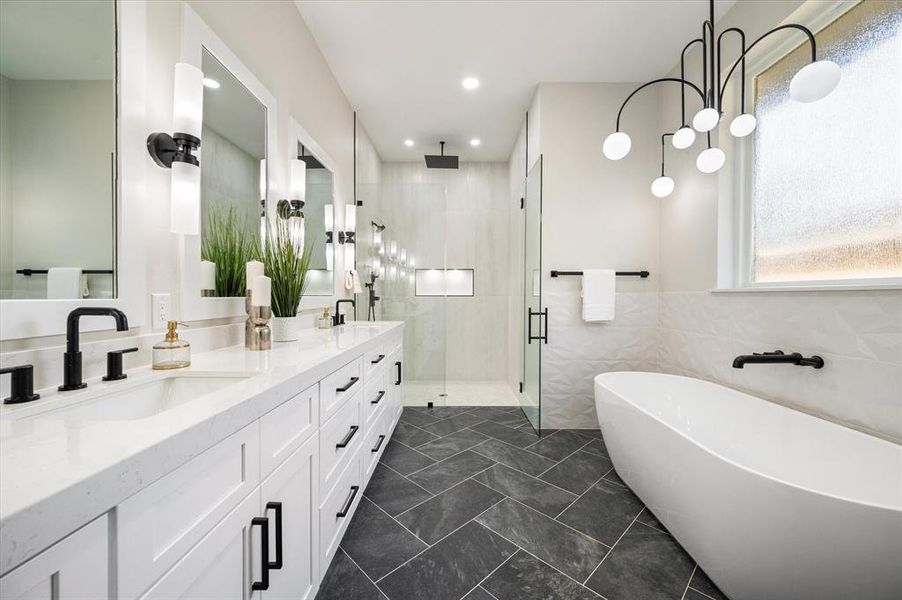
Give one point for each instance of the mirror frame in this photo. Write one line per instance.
(197, 36)
(29, 318)
(299, 134)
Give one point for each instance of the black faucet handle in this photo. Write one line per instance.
(21, 385)
(114, 364)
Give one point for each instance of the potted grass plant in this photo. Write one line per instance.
(286, 263)
(229, 243)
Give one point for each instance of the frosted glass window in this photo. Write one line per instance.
(827, 179)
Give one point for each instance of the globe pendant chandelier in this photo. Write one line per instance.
(811, 83)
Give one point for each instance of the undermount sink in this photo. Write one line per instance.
(143, 399)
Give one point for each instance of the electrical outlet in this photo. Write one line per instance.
(159, 307)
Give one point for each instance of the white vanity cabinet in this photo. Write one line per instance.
(259, 515)
(75, 568)
(289, 498)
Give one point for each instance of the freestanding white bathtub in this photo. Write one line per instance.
(773, 503)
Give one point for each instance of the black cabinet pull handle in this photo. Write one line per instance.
(277, 506)
(379, 444)
(378, 360)
(347, 507)
(348, 385)
(398, 364)
(347, 440)
(378, 398)
(263, 523)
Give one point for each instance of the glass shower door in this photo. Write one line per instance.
(535, 317)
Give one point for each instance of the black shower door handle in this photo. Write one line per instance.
(529, 336)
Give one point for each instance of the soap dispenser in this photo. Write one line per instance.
(171, 353)
(324, 321)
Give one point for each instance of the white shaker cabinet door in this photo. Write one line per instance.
(289, 501)
(223, 565)
(75, 568)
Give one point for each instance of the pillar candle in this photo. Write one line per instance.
(253, 269)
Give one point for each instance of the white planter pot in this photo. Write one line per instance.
(286, 329)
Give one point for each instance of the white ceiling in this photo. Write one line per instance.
(401, 63)
(57, 39)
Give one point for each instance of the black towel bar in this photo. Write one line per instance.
(642, 274)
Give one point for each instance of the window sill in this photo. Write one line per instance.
(809, 288)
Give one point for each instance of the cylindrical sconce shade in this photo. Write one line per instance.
(298, 180)
(188, 106)
(330, 256)
(350, 218)
(403, 256)
(393, 249)
(329, 218)
(262, 179)
(184, 215)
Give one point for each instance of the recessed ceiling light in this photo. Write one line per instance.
(211, 83)
(408, 143)
(475, 142)
(470, 83)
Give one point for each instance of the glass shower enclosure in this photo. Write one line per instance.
(534, 315)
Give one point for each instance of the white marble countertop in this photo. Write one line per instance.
(56, 475)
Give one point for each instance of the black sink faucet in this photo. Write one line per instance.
(778, 357)
(339, 319)
(72, 358)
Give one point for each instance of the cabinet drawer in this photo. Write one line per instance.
(376, 441)
(374, 360)
(159, 524)
(340, 385)
(337, 510)
(75, 567)
(222, 565)
(284, 428)
(375, 396)
(339, 440)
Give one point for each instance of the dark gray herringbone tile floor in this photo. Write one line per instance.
(467, 502)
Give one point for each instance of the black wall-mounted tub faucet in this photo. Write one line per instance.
(778, 357)
(72, 358)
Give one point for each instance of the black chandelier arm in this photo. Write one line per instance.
(683, 74)
(653, 82)
(741, 58)
(663, 137)
(708, 47)
(719, 61)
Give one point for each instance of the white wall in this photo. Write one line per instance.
(859, 334)
(272, 40)
(595, 214)
(57, 190)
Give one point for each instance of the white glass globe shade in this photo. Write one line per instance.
(706, 119)
(662, 186)
(743, 125)
(710, 160)
(683, 138)
(617, 145)
(815, 81)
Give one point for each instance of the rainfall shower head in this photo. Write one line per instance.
(434, 161)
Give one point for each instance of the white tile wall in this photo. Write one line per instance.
(859, 335)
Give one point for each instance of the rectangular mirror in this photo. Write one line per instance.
(318, 211)
(233, 180)
(58, 125)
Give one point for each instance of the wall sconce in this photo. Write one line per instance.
(393, 249)
(403, 256)
(292, 209)
(329, 221)
(176, 151)
(348, 236)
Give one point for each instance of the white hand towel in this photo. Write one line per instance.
(598, 295)
(64, 283)
(352, 281)
(85, 288)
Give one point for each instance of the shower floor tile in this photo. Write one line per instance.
(467, 515)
